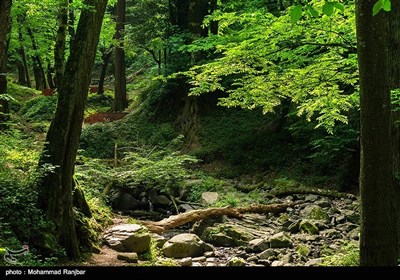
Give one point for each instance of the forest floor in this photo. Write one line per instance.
(306, 235)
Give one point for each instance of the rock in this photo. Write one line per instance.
(351, 216)
(283, 218)
(324, 202)
(128, 238)
(288, 258)
(280, 240)
(308, 227)
(314, 212)
(199, 227)
(257, 245)
(332, 233)
(294, 227)
(313, 262)
(209, 254)
(160, 201)
(265, 255)
(235, 261)
(209, 197)
(208, 248)
(200, 259)
(160, 240)
(311, 198)
(347, 227)
(219, 239)
(185, 208)
(277, 263)
(307, 238)
(124, 201)
(252, 259)
(183, 245)
(128, 257)
(196, 264)
(211, 260)
(354, 234)
(226, 235)
(185, 261)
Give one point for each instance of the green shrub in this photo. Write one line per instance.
(347, 255)
(41, 108)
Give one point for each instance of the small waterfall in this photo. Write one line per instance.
(150, 205)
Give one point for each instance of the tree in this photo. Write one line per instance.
(379, 237)
(120, 99)
(59, 49)
(5, 23)
(56, 185)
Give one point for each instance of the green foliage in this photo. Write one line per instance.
(204, 184)
(347, 255)
(303, 250)
(39, 109)
(385, 5)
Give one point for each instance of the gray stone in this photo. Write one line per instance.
(128, 257)
(288, 258)
(308, 227)
(235, 261)
(280, 240)
(183, 245)
(354, 234)
(311, 198)
(351, 216)
(208, 248)
(252, 259)
(313, 262)
(124, 201)
(267, 254)
(209, 254)
(294, 227)
(186, 261)
(200, 259)
(128, 238)
(324, 202)
(196, 264)
(209, 197)
(220, 239)
(160, 240)
(226, 235)
(257, 245)
(277, 263)
(161, 201)
(185, 208)
(314, 212)
(332, 233)
(211, 260)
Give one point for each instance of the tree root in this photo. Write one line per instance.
(201, 214)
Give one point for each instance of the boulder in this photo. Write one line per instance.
(314, 212)
(124, 201)
(235, 261)
(128, 238)
(185, 207)
(294, 227)
(267, 254)
(324, 202)
(209, 197)
(226, 235)
(332, 233)
(308, 227)
(159, 239)
(160, 201)
(186, 261)
(183, 246)
(128, 257)
(257, 245)
(218, 239)
(280, 240)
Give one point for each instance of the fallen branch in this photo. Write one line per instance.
(201, 214)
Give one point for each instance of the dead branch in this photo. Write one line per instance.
(201, 214)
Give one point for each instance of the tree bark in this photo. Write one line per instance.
(378, 241)
(120, 99)
(61, 38)
(26, 81)
(71, 23)
(5, 23)
(38, 70)
(56, 185)
(106, 57)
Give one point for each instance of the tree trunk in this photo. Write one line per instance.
(71, 23)
(59, 49)
(120, 99)
(106, 56)
(5, 23)
(378, 242)
(38, 70)
(25, 80)
(56, 185)
(49, 75)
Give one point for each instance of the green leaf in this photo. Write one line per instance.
(377, 7)
(313, 12)
(387, 5)
(296, 13)
(328, 8)
(339, 6)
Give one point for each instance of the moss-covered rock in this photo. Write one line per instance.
(280, 240)
(235, 261)
(226, 235)
(314, 212)
(307, 226)
(183, 246)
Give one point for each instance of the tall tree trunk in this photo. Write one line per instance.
(120, 99)
(106, 57)
(5, 23)
(49, 75)
(56, 186)
(71, 23)
(22, 52)
(378, 242)
(59, 49)
(40, 76)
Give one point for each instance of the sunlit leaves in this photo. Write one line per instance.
(296, 13)
(385, 5)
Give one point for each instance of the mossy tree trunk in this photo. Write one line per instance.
(24, 75)
(38, 70)
(120, 99)
(56, 185)
(378, 242)
(5, 26)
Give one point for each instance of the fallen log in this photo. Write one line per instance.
(201, 214)
(321, 192)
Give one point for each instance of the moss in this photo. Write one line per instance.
(303, 250)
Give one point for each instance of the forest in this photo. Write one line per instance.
(199, 133)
